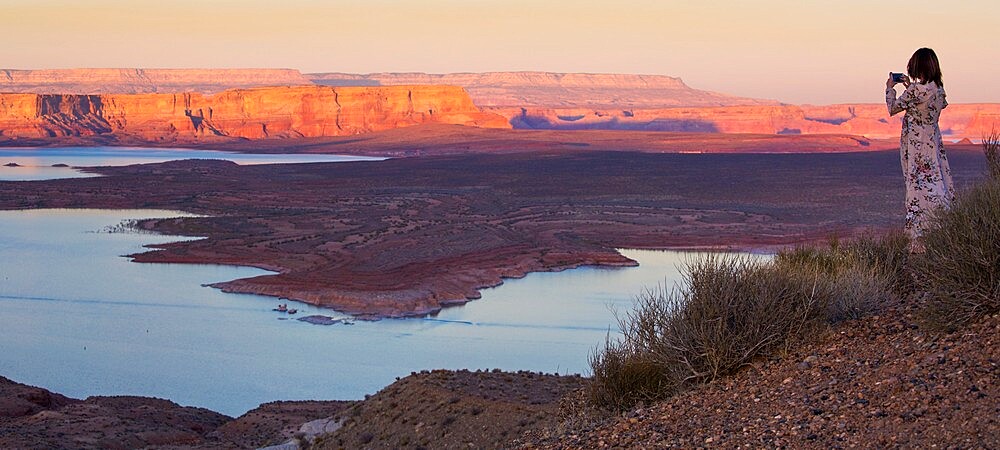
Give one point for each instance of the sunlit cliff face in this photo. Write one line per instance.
(304, 111)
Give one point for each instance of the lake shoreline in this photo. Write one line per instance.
(397, 237)
(50, 163)
(129, 324)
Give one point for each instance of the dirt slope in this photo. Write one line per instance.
(881, 382)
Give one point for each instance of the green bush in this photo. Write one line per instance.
(960, 270)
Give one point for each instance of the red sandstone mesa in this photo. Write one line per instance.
(535, 100)
(302, 111)
(554, 90)
(572, 101)
(142, 81)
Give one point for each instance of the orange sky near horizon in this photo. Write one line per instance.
(802, 51)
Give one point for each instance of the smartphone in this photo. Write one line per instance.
(897, 77)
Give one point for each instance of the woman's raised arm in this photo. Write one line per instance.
(905, 101)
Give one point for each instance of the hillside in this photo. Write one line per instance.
(881, 382)
(438, 409)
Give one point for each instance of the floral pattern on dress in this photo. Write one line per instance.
(921, 152)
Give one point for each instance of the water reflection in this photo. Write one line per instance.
(81, 320)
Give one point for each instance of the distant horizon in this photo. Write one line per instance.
(684, 81)
(793, 52)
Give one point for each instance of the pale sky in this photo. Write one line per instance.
(796, 51)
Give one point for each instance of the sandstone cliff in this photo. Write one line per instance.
(531, 100)
(302, 111)
(554, 89)
(137, 81)
(870, 120)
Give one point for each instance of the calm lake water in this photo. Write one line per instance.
(81, 320)
(36, 163)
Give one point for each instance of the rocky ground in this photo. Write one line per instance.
(33, 418)
(273, 423)
(881, 382)
(439, 409)
(453, 409)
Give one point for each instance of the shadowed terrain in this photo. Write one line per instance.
(437, 409)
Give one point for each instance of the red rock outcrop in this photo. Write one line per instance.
(140, 81)
(870, 120)
(361, 103)
(301, 111)
(517, 89)
(571, 101)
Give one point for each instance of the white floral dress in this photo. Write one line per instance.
(921, 152)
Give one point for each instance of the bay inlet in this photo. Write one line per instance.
(80, 319)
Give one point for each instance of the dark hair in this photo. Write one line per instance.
(924, 66)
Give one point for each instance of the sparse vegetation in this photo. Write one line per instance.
(960, 271)
(864, 274)
(729, 310)
(991, 147)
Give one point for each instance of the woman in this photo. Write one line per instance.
(925, 165)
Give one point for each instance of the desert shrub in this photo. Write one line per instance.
(991, 147)
(624, 376)
(960, 269)
(882, 258)
(727, 311)
(731, 310)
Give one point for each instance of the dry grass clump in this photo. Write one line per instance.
(960, 270)
(865, 273)
(625, 374)
(729, 310)
(991, 147)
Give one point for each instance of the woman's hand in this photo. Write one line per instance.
(906, 80)
(890, 83)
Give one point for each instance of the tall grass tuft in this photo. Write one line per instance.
(991, 147)
(624, 375)
(866, 272)
(960, 270)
